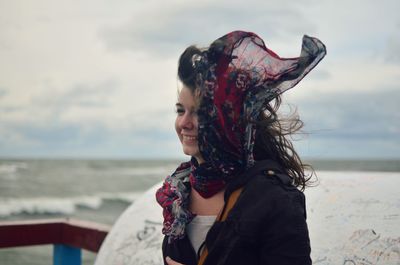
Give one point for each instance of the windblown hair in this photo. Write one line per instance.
(273, 142)
(273, 133)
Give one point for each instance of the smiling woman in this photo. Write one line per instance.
(239, 199)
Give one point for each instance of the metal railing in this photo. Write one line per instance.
(68, 236)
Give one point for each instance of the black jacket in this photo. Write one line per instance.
(267, 225)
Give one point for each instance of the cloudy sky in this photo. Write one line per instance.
(97, 78)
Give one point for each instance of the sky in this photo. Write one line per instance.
(97, 78)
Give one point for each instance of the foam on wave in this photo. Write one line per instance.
(12, 167)
(54, 205)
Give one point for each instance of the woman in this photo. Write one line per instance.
(239, 199)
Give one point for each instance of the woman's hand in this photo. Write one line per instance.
(172, 262)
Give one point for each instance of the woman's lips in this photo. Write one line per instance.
(189, 139)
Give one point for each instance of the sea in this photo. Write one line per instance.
(99, 191)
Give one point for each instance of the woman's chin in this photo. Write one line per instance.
(190, 151)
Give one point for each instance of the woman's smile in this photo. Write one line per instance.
(189, 138)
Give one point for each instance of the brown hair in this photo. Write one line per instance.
(273, 142)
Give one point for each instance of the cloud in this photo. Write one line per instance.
(3, 92)
(164, 28)
(49, 104)
(79, 140)
(361, 124)
(328, 148)
(85, 120)
(392, 51)
(364, 114)
(323, 75)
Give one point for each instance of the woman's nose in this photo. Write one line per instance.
(187, 121)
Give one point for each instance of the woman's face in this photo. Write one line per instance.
(186, 124)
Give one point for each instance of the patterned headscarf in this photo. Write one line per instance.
(236, 77)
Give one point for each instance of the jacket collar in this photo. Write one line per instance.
(258, 168)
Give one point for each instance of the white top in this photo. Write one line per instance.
(198, 228)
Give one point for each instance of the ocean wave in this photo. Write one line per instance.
(144, 171)
(55, 205)
(128, 197)
(10, 168)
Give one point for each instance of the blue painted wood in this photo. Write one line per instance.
(66, 255)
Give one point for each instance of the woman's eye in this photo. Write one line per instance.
(180, 111)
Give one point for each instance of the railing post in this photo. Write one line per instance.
(66, 255)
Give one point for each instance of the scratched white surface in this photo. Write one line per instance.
(136, 236)
(353, 218)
